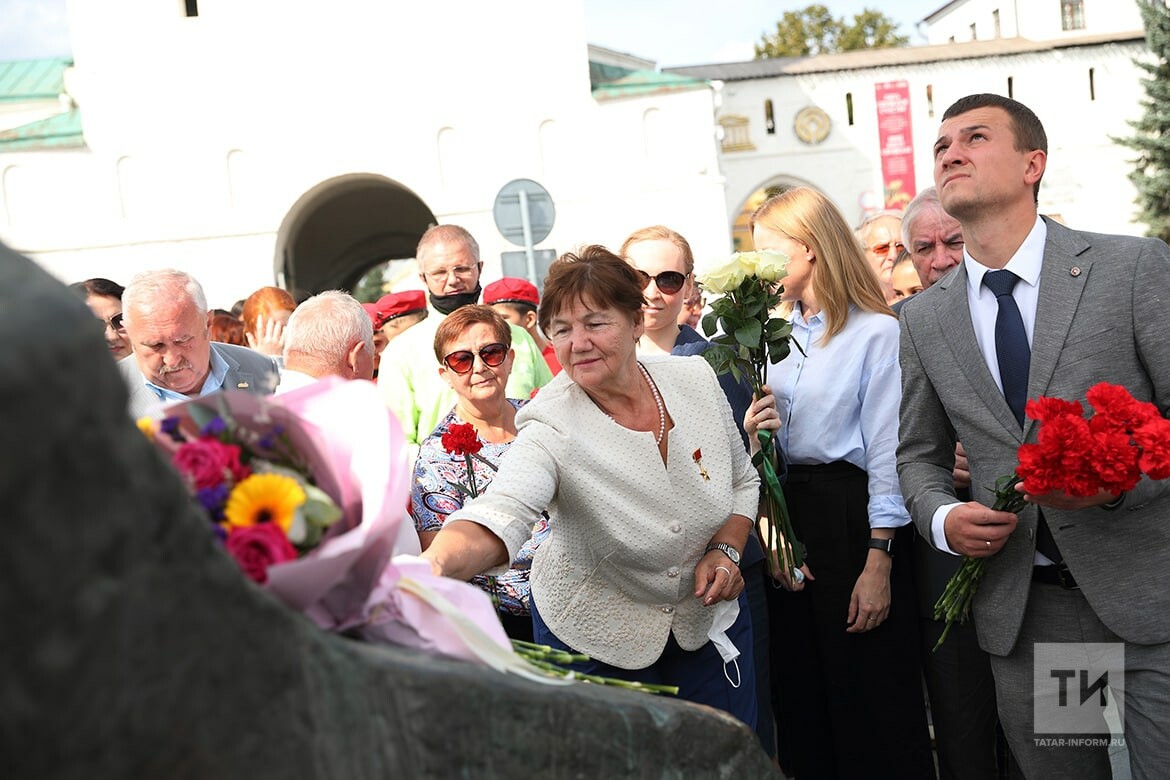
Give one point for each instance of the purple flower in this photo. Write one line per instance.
(170, 426)
(213, 499)
(214, 427)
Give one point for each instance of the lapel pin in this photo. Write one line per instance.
(242, 385)
(1074, 271)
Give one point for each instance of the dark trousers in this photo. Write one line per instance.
(516, 626)
(847, 705)
(699, 674)
(756, 579)
(969, 743)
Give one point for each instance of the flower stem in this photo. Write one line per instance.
(954, 605)
(550, 660)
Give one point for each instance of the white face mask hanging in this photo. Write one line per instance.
(726, 613)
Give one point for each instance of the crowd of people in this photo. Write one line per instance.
(610, 507)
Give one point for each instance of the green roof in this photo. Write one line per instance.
(61, 131)
(39, 80)
(646, 82)
(33, 79)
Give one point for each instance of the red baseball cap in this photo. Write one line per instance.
(511, 289)
(394, 305)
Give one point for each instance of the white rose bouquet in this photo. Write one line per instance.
(749, 338)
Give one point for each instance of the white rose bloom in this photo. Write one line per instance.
(771, 266)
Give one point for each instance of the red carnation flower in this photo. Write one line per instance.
(1116, 462)
(1154, 440)
(1045, 409)
(462, 439)
(1115, 409)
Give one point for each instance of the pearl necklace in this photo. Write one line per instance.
(657, 401)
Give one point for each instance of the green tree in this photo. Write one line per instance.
(1151, 140)
(871, 30)
(814, 30)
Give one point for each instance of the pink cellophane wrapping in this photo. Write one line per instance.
(356, 451)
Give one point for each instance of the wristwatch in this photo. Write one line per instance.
(885, 545)
(724, 548)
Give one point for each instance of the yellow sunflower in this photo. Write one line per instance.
(146, 425)
(264, 498)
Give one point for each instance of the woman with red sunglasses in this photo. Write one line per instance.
(474, 348)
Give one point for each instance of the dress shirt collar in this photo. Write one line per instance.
(214, 381)
(1026, 263)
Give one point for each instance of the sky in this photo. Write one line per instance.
(670, 32)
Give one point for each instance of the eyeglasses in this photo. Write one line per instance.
(462, 361)
(881, 249)
(668, 282)
(115, 323)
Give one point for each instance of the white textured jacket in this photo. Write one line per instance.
(616, 574)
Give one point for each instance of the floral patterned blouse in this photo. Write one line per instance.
(434, 496)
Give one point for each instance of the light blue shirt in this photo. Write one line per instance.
(213, 383)
(839, 401)
(1026, 263)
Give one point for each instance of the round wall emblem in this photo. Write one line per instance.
(812, 125)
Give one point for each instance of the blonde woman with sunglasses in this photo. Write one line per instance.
(474, 348)
(666, 265)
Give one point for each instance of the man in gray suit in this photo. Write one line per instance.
(1088, 308)
(166, 317)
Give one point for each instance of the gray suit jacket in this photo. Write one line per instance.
(1101, 316)
(247, 370)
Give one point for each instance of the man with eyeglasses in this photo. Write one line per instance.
(881, 236)
(449, 266)
(168, 322)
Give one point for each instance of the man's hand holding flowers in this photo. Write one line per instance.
(1076, 463)
(977, 531)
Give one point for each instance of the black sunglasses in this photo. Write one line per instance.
(115, 322)
(461, 362)
(668, 282)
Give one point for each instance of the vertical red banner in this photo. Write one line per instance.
(896, 142)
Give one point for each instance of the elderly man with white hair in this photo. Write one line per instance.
(330, 334)
(167, 320)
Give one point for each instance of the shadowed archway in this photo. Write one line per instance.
(344, 226)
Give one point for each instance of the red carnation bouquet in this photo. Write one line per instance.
(1123, 440)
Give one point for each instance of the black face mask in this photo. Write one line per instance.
(445, 304)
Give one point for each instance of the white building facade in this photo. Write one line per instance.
(824, 117)
(301, 144)
(304, 142)
(1038, 20)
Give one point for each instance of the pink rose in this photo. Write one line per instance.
(256, 547)
(208, 462)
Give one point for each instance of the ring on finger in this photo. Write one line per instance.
(724, 568)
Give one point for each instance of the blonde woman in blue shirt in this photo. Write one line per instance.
(849, 675)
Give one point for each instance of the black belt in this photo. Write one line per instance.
(1057, 574)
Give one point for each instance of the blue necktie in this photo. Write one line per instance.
(1013, 355)
(1011, 342)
